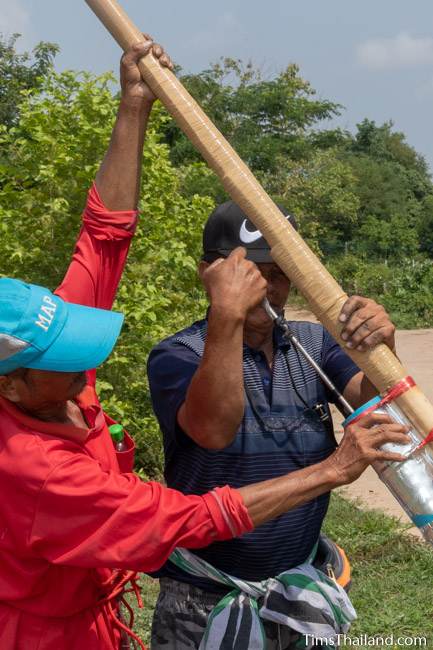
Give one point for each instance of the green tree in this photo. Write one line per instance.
(425, 226)
(320, 192)
(264, 119)
(382, 143)
(405, 290)
(20, 72)
(395, 193)
(383, 188)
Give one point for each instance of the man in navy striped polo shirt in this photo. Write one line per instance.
(237, 404)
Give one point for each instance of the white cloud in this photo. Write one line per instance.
(401, 51)
(14, 18)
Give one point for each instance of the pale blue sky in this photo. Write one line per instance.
(374, 57)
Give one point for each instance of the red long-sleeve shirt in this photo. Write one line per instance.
(69, 517)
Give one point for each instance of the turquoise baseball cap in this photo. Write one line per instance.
(39, 330)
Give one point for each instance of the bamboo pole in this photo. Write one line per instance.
(288, 249)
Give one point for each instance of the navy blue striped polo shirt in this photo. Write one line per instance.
(280, 433)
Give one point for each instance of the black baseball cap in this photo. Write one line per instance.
(228, 227)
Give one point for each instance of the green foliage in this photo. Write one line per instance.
(395, 194)
(384, 144)
(425, 226)
(378, 549)
(370, 192)
(49, 159)
(320, 191)
(394, 238)
(405, 290)
(20, 72)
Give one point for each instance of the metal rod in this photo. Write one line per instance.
(288, 334)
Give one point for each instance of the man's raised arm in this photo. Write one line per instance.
(118, 179)
(110, 215)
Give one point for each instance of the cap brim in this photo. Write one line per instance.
(258, 255)
(86, 340)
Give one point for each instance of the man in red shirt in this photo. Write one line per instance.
(75, 522)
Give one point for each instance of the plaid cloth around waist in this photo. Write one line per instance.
(303, 598)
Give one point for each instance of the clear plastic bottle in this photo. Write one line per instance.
(410, 481)
(117, 433)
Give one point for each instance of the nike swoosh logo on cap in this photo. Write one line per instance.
(247, 236)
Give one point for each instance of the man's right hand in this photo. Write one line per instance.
(360, 446)
(134, 88)
(234, 284)
(358, 449)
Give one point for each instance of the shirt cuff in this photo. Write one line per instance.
(104, 224)
(228, 512)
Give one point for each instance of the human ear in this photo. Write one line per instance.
(202, 266)
(8, 388)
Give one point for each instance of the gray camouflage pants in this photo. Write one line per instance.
(181, 614)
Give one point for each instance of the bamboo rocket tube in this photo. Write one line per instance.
(289, 251)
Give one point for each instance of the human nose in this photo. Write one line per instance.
(271, 293)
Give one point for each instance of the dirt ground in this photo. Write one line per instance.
(415, 350)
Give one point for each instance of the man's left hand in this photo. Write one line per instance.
(366, 324)
(134, 89)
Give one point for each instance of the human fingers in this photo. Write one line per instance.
(365, 331)
(249, 277)
(366, 324)
(160, 54)
(231, 262)
(372, 419)
(352, 304)
(357, 317)
(157, 50)
(166, 61)
(132, 56)
(389, 456)
(238, 253)
(380, 335)
(385, 433)
(248, 268)
(215, 263)
(257, 289)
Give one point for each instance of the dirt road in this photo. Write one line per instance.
(415, 349)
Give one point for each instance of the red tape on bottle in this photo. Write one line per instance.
(402, 387)
(426, 440)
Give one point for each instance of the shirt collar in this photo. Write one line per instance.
(57, 429)
(277, 335)
(279, 341)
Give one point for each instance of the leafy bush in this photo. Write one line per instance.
(406, 290)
